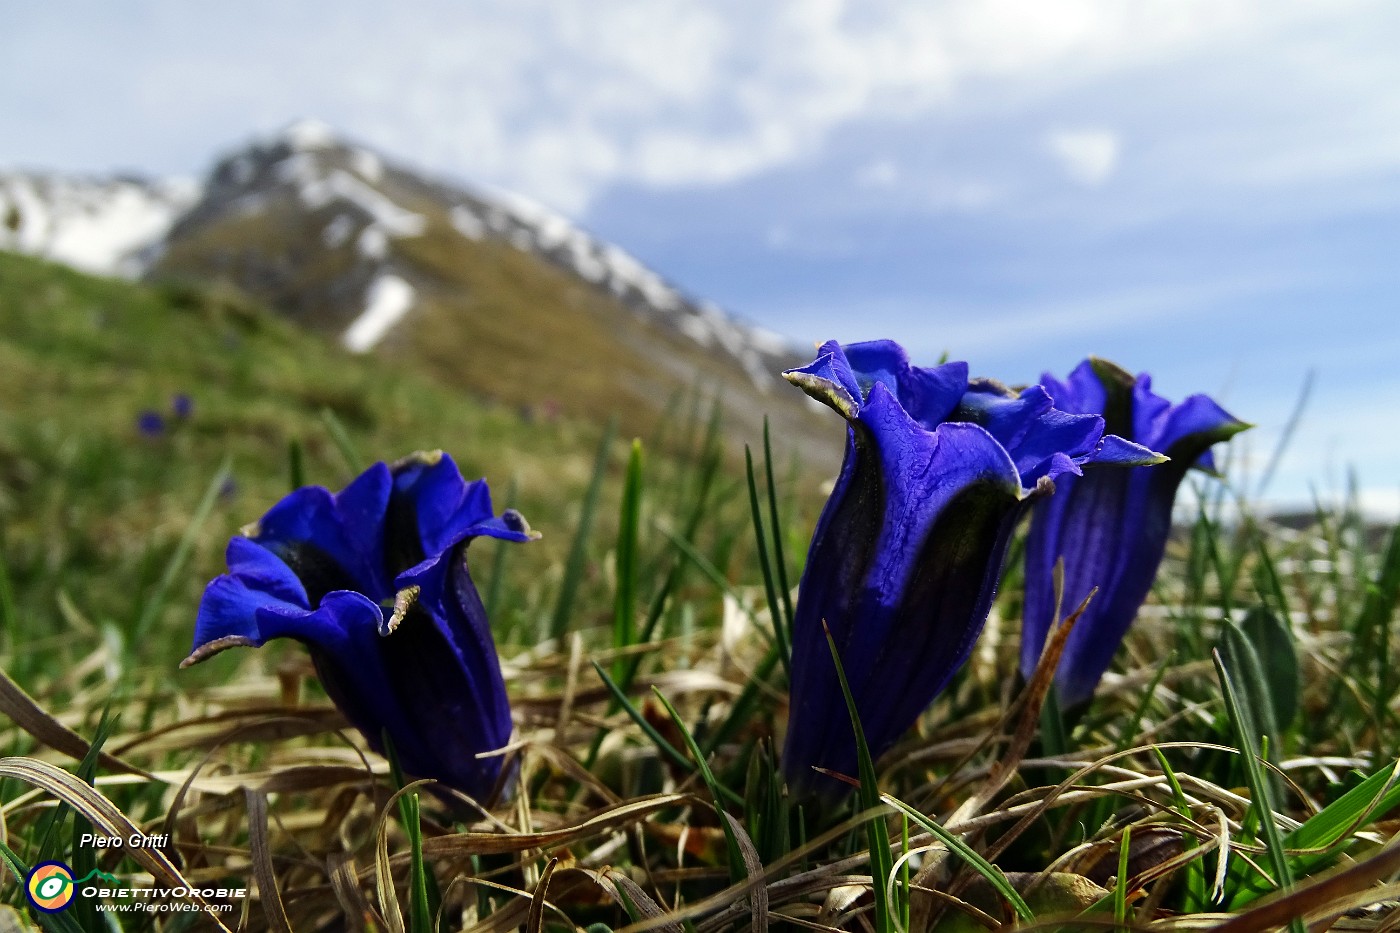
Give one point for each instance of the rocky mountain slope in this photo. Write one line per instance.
(488, 291)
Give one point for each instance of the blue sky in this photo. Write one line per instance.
(1206, 190)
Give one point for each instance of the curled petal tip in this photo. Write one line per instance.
(825, 391)
(211, 648)
(1109, 371)
(427, 458)
(517, 523)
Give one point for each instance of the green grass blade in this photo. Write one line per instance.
(1120, 887)
(1243, 724)
(1197, 888)
(1326, 834)
(962, 850)
(340, 437)
(1267, 583)
(296, 464)
(628, 524)
(84, 858)
(775, 612)
(578, 550)
(1247, 673)
(881, 863)
(1285, 438)
(779, 559)
(666, 748)
(737, 870)
(9, 618)
(420, 912)
(1373, 630)
(709, 469)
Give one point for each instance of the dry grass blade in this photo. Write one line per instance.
(980, 916)
(753, 867)
(287, 779)
(257, 724)
(641, 900)
(1033, 698)
(31, 717)
(263, 870)
(535, 920)
(510, 917)
(495, 843)
(103, 814)
(345, 883)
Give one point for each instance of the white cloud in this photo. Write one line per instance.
(1087, 156)
(881, 173)
(563, 100)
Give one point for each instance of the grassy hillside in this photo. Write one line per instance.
(93, 509)
(502, 322)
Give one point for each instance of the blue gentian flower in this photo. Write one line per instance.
(182, 406)
(374, 581)
(150, 423)
(1110, 526)
(905, 558)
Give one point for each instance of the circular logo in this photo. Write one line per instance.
(50, 886)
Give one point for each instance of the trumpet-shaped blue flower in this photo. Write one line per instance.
(906, 556)
(373, 580)
(1110, 526)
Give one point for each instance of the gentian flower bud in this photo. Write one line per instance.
(907, 553)
(1110, 526)
(374, 581)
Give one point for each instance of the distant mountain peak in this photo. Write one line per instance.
(387, 259)
(309, 135)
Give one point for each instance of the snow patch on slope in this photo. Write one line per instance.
(99, 226)
(388, 299)
(395, 220)
(532, 227)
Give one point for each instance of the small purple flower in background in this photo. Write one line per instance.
(150, 423)
(374, 581)
(182, 406)
(906, 556)
(1110, 526)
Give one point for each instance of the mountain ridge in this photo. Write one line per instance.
(497, 293)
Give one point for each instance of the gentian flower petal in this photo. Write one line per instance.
(905, 558)
(927, 395)
(1110, 526)
(333, 541)
(325, 569)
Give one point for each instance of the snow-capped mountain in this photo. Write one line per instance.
(364, 201)
(491, 290)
